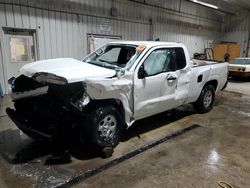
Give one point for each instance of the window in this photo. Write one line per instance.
(113, 56)
(180, 58)
(19, 49)
(165, 60)
(160, 60)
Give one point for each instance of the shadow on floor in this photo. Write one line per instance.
(239, 79)
(156, 121)
(17, 148)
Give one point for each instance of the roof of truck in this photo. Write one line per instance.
(149, 43)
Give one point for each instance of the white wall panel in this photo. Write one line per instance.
(10, 22)
(84, 36)
(62, 26)
(40, 34)
(2, 22)
(241, 37)
(70, 35)
(25, 15)
(58, 32)
(47, 34)
(17, 18)
(53, 34)
(236, 29)
(64, 33)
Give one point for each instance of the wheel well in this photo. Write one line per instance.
(105, 102)
(213, 83)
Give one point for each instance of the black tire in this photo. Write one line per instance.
(102, 120)
(206, 99)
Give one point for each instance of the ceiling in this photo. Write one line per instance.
(241, 3)
(230, 7)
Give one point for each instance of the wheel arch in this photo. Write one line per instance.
(199, 104)
(213, 83)
(105, 102)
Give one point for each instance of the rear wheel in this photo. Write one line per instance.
(206, 99)
(104, 127)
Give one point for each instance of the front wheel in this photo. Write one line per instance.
(104, 127)
(206, 99)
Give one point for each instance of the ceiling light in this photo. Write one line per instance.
(205, 4)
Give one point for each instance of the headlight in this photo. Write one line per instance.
(81, 103)
(85, 100)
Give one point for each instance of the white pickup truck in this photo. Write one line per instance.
(110, 89)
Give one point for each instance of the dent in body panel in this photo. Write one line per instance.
(195, 86)
(183, 86)
(113, 88)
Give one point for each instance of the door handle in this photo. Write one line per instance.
(171, 78)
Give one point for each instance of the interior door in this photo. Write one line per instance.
(156, 92)
(19, 50)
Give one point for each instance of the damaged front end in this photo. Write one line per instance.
(46, 105)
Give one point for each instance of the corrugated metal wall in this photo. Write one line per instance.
(236, 29)
(62, 25)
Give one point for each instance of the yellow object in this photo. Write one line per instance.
(140, 48)
(224, 184)
(20, 49)
(219, 51)
(233, 50)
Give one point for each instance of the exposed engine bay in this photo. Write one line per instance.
(51, 108)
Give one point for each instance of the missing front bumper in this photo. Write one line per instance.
(24, 126)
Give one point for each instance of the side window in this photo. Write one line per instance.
(180, 58)
(160, 60)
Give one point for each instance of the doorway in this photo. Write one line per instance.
(19, 49)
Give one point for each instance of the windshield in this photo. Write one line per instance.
(113, 56)
(241, 61)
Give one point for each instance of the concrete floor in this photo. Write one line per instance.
(218, 150)
(239, 85)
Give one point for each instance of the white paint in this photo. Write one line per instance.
(139, 97)
(235, 66)
(33, 93)
(156, 94)
(71, 69)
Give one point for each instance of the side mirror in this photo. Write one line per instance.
(142, 73)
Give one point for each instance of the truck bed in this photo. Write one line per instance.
(198, 62)
(204, 71)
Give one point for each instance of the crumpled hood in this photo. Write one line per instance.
(71, 69)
